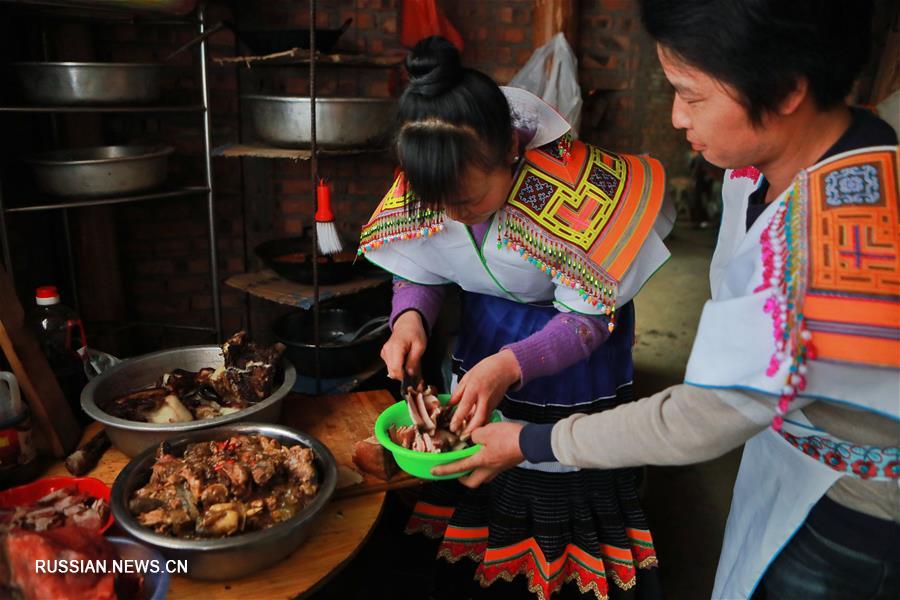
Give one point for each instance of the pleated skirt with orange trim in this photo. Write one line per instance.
(536, 533)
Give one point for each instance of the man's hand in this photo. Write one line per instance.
(481, 390)
(405, 347)
(500, 451)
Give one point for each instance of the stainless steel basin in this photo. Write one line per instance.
(132, 437)
(340, 122)
(85, 83)
(100, 171)
(239, 555)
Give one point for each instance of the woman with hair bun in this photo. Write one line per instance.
(549, 240)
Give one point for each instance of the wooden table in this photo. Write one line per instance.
(338, 422)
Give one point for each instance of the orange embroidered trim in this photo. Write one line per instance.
(464, 541)
(453, 552)
(589, 572)
(586, 580)
(431, 528)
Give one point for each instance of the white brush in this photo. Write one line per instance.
(326, 231)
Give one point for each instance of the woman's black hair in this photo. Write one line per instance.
(762, 48)
(450, 118)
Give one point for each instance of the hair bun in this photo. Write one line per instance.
(434, 66)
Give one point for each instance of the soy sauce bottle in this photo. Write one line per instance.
(61, 335)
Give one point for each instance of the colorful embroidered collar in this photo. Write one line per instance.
(575, 211)
(582, 214)
(831, 259)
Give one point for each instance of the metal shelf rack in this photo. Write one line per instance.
(103, 109)
(265, 284)
(207, 189)
(159, 195)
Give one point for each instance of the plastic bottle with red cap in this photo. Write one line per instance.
(61, 335)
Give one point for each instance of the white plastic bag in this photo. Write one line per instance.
(552, 74)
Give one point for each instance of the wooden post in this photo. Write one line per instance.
(553, 16)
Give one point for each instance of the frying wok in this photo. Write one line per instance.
(270, 41)
(295, 330)
(292, 259)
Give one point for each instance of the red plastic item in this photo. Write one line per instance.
(323, 202)
(424, 18)
(34, 491)
(47, 291)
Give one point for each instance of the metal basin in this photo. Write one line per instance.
(101, 171)
(132, 437)
(80, 83)
(239, 555)
(171, 7)
(340, 122)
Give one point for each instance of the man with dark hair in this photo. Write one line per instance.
(798, 351)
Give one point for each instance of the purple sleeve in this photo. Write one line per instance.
(424, 299)
(566, 339)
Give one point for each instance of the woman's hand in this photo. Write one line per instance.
(480, 391)
(404, 349)
(500, 451)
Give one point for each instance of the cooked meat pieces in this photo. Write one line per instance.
(373, 458)
(24, 548)
(430, 429)
(262, 471)
(249, 374)
(221, 488)
(62, 507)
(249, 370)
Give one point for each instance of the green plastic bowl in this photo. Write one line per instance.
(419, 464)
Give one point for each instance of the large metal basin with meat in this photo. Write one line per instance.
(239, 555)
(132, 437)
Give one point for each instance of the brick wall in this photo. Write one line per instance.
(164, 246)
(629, 101)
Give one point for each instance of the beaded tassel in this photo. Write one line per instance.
(401, 226)
(784, 257)
(556, 260)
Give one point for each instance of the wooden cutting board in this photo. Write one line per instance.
(339, 422)
(336, 421)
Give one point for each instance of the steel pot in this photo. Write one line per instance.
(101, 171)
(340, 122)
(131, 437)
(80, 83)
(239, 555)
(295, 330)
